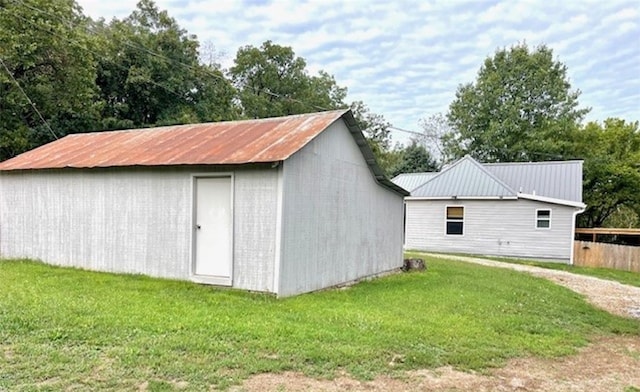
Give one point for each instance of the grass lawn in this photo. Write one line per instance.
(625, 277)
(70, 329)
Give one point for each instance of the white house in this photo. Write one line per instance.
(283, 205)
(503, 209)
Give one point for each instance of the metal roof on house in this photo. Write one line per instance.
(411, 181)
(232, 142)
(464, 178)
(222, 143)
(555, 179)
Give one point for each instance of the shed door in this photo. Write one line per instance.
(213, 230)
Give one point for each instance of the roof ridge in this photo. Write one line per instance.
(475, 163)
(415, 174)
(208, 123)
(491, 175)
(532, 163)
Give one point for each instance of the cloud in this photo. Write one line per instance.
(406, 59)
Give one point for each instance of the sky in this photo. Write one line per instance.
(405, 59)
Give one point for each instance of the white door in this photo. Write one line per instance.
(213, 230)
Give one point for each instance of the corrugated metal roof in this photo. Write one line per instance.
(232, 142)
(411, 181)
(222, 143)
(555, 179)
(561, 180)
(464, 178)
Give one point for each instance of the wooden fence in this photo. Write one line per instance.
(603, 255)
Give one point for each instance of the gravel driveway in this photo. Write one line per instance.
(614, 297)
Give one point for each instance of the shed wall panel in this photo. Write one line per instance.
(132, 220)
(255, 229)
(338, 223)
(107, 220)
(491, 227)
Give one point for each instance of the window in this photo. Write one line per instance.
(543, 219)
(455, 220)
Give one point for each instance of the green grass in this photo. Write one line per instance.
(69, 329)
(625, 277)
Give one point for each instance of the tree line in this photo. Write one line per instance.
(62, 72)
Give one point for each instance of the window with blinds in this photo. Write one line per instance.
(455, 220)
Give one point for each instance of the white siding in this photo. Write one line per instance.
(338, 223)
(132, 220)
(491, 227)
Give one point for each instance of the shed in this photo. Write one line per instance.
(282, 205)
(520, 209)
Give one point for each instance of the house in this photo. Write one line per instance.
(282, 205)
(502, 209)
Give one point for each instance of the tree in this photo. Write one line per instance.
(520, 108)
(151, 74)
(434, 129)
(210, 55)
(47, 58)
(414, 159)
(272, 81)
(374, 126)
(611, 171)
(377, 131)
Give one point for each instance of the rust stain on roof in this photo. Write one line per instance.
(232, 142)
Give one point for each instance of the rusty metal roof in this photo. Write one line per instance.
(222, 143)
(232, 142)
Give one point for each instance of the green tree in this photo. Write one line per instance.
(520, 108)
(414, 159)
(374, 126)
(46, 50)
(611, 172)
(150, 73)
(377, 131)
(272, 81)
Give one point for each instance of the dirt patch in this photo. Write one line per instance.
(7, 353)
(610, 364)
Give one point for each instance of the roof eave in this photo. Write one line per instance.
(368, 155)
(462, 198)
(544, 199)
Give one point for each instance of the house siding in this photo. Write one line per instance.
(338, 224)
(491, 227)
(133, 220)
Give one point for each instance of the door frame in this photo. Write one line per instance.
(220, 281)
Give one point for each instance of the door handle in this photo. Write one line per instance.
(198, 227)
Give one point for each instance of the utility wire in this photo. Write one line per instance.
(206, 70)
(46, 124)
(133, 45)
(81, 46)
(406, 131)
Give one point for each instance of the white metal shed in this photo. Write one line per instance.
(283, 205)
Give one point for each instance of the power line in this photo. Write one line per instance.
(406, 131)
(46, 124)
(83, 47)
(170, 60)
(142, 48)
